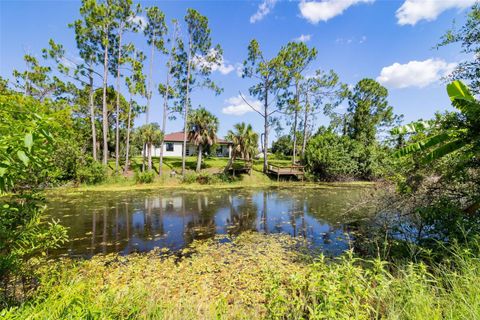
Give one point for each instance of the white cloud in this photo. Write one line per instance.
(350, 40)
(237, 107)
(205, 61)
(263, 9)
(324, 10)
(304, 38)
(239, 69)
(415, 73)
(413, 11)
(140, 21)
(67, 63)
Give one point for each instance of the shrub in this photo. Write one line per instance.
(92, 173)
(144, 177)
(24, 235)
(207, 178)
(329, 157)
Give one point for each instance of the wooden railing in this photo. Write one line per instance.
(292, 169)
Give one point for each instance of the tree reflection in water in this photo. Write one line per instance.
(140, 221)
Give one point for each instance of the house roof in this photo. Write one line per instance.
(178, 137)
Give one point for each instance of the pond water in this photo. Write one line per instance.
(138, 221)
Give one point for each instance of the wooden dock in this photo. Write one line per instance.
(293, 170)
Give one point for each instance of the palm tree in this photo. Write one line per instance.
(202, 131)
(150, 134)
(245, 142)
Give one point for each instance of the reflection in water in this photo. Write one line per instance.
(139, 221)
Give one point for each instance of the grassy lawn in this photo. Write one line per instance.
(209, 164)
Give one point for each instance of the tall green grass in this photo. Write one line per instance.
(254, 277)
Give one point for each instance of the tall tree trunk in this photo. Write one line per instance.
(149, 93)
(265, 128)
(117, 111)
(229, 163)
(127, 151)
(305, 127)
(149, 98)
(184, 150)
(149, 153)
(199, 157)
(104, 107)
(295, 121)
(150, 156)
(165, 110)
(164, 127)
(144, 153)
(92, 114)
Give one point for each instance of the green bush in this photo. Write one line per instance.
(92, 173)
(331, 157)
(144, 177)
(24, 235)
(207, 178)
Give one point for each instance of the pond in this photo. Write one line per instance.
(138, 221)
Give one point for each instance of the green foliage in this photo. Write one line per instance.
(144, 177)
(468, 36)
(92, 173)
(369, 110)
(206, 178)
(23, 235)
(37, 143)
(331, 157)
(244, 140)
(255, 276)
(283, 146)
(447, 136)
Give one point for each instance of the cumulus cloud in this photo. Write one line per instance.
(263, 9)
(207, 62)
(237, 107)
(415, 73)
(413, 11)
(140, 21)
(324, 10)
(304, 38)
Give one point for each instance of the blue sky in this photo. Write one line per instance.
(390, 41)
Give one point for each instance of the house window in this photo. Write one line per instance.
(169, 146)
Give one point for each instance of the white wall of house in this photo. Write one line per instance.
(174, 149)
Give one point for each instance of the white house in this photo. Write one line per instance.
(173, 145)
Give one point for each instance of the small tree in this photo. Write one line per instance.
(202, 131)
(151, 135)
(167, 90)
(268, 73)
(297, 57)
(245, 143)
(193, 65)
(136, 85)
(369, 109)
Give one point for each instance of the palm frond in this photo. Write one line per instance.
(414, 127)
(444, 150)
(422, 145)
